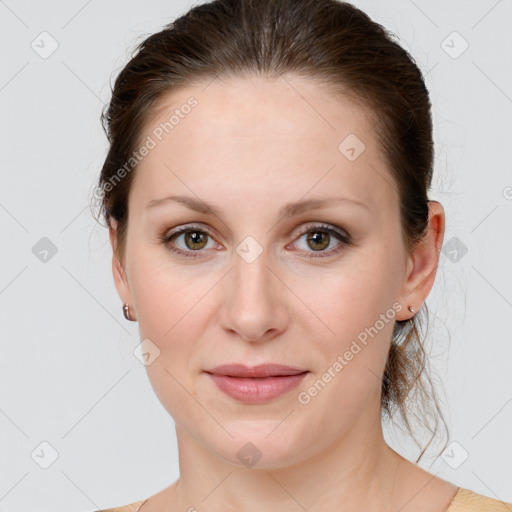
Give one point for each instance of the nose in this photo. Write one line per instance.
(255, 305)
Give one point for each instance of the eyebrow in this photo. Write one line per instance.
(288, 210)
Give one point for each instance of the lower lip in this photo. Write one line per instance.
(255, 391)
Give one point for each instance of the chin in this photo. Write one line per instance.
(259, 445)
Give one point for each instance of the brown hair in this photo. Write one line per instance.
(333, 43)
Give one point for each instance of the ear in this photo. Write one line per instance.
(422, 263)
(118, 270)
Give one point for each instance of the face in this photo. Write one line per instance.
(254, 282)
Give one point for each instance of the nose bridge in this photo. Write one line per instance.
(252, 271)
(254, 304)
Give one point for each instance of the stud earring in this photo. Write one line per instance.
(411, 309)
(126, 313)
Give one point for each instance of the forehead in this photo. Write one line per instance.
(262, 137)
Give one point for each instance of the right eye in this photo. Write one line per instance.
(194, 239)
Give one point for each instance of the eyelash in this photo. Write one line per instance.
(345, 239)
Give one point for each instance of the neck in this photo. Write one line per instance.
(355, 473)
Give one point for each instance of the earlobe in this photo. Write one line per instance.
(423, 262)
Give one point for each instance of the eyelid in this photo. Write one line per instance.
(303, 229)
(343, 236)
(185, 228)
(310, 226)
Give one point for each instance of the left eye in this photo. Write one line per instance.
(195, 239)
(320, 236)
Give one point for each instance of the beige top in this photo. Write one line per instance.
(463, 501)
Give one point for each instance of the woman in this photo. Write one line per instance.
(266, 197)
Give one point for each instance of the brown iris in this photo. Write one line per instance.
(196, 238)
(315, 237)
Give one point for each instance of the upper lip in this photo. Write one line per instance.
(262, 370)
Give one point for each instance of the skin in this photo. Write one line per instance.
(250, 146)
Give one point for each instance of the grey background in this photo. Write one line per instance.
(68, 374)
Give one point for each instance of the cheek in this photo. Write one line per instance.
(165, 295)
(350, 380)
(167, 305)
(357, 307)
(173, 312)
(353, 297)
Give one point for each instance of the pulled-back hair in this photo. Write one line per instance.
(328, 41)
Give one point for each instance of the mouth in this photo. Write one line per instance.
(260, 371)
(258, 384)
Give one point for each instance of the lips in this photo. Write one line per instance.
(257, 384)
(260, 371)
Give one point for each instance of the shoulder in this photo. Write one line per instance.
(469, 501)
(132, 507)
